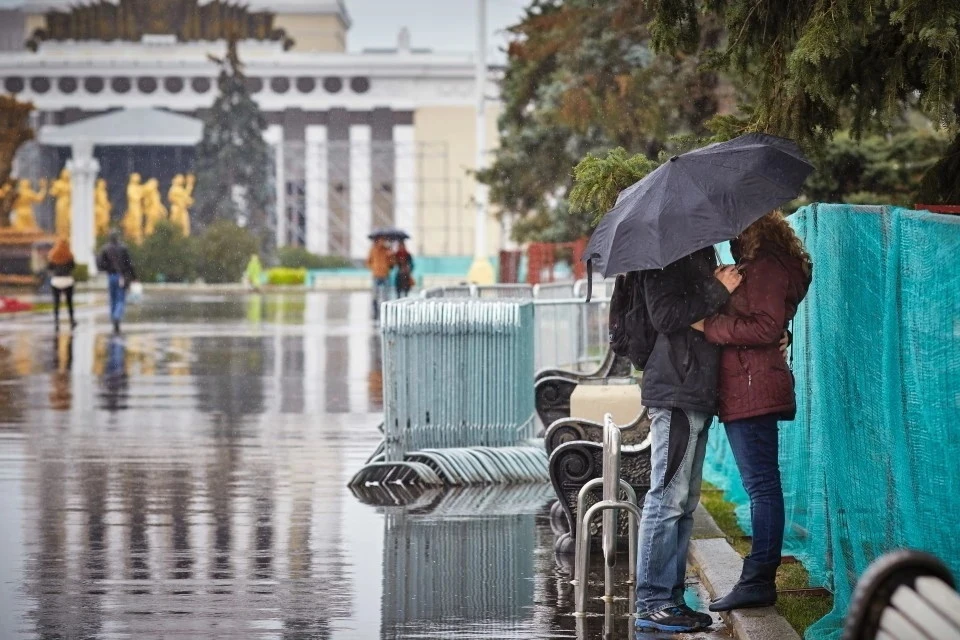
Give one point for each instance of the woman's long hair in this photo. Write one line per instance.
(60, 254)
(772, 234)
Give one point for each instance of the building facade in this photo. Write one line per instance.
(359, 140)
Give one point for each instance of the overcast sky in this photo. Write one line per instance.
(443, 25)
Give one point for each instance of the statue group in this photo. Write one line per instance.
(145, 207)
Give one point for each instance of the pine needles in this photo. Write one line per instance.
(598, 180)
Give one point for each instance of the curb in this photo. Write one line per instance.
(718, 565)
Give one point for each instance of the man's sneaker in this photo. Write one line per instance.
(705, 618)
(674, 619)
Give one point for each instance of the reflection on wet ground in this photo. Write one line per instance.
(188, 479)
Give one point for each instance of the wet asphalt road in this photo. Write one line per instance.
(188, 480)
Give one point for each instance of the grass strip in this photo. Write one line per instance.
(800, 611)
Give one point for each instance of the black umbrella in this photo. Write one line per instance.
(388, 233)
(697, 200)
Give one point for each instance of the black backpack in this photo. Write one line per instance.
(631, 331)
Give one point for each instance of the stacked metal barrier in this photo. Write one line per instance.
(457, 393)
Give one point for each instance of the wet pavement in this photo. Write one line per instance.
(188, 479)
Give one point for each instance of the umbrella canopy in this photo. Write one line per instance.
(388, 233)
(697, 200)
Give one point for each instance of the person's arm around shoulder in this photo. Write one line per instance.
(672, 307)
(764, 323)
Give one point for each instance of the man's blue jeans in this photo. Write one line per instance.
(118, 297)
(679, 444)
(754, 445)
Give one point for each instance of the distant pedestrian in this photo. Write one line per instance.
(253, 275)
(404, 262)
(61, 264)
(380, 262)
(115, 261)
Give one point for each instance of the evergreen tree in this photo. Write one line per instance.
(233, 161)
(818, 66)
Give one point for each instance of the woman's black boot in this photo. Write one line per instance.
(757, 587)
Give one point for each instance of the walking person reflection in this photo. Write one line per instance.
(60, 394)
(115, 379)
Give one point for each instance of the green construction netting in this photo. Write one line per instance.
(872, 462)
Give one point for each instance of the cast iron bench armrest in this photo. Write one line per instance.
(571, 429)
(611, 366)
(904, 595)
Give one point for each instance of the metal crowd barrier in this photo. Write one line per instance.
(612, 484)
(457, 393)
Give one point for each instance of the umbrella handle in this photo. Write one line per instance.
(589, 278)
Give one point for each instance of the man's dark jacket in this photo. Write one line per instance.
(116, 259)
(683, 367)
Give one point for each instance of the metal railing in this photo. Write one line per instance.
(569, 332)
(611, 503)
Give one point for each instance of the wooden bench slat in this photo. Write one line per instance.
(918, 610)
(941, 597)
(894, 623)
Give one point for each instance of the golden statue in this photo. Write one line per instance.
(23, 218)
(133, 220)
(101, 208)
(180, 198)
(60, 190)
(153, 209)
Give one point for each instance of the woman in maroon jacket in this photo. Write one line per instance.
(756, 388)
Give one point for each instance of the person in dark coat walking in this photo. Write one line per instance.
(756, 388)
(404, 263)
(680, 393)
(115, 261)
(61, 264)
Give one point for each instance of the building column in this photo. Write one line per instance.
(83, 173)
(274, 137)
(318, 209)
(405, 179)
(361, 192)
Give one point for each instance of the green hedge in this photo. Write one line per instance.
(285, 276)
(300, 258)
(165, 256)
(81, 273)
(218, 255)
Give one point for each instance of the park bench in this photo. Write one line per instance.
(904, 595)
(576, 457)
(553, 387)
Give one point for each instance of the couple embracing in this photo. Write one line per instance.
(719, 349)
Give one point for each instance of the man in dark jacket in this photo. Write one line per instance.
(115, 261)
(680, 392)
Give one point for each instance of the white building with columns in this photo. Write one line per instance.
(360, 140)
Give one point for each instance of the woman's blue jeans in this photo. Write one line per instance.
(755, 448)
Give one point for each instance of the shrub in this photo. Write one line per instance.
(285, 276)
(81, 273)
(165, 256)
(300, 258)
(224, 250)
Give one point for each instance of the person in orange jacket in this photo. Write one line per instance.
(380, 262)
